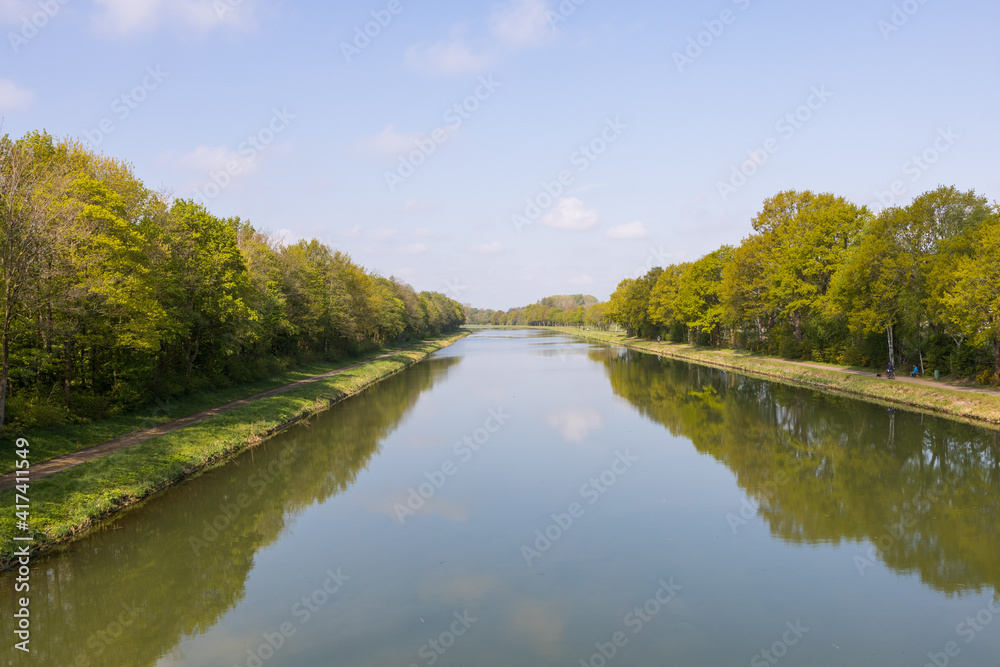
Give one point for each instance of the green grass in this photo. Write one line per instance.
(939, 399)
(68, 504)
(48, 443)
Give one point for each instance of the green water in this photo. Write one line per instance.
(580, 504)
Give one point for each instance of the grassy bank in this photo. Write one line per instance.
(68, 504)
(941, 399)
(53, 441)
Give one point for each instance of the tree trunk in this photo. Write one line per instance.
(67, 373)
(892, 349)
(996, 355)
(192, 356)
(4, 374)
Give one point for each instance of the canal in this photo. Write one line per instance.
(526, 498)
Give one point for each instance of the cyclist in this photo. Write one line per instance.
(890, 371)
(916, 372)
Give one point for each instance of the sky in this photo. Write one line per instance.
(501, 152)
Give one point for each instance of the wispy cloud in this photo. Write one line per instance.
(446, 57)
(12, 11)
(390, 144)
(421, 205)
(488, 248)
(414, 249)
(131, 18)
(383, 234)
(205, 159)
(13, 97)
(631, 231)
(570, 215)
(522, 23)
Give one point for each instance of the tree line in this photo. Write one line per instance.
(114, 295)
(576, 310)
(823, 279)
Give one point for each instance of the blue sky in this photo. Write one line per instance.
(648, 112)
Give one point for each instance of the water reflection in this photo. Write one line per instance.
(172, 568)
(823, 469)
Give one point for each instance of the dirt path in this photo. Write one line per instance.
(66, 461)
(655, 347)
(907, 379)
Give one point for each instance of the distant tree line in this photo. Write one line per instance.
(825, 280)
(575, 310)
(113, 295)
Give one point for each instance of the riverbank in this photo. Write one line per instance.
(71, 503)
(981, 406)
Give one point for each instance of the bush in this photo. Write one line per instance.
(35, 412)
(89, 406)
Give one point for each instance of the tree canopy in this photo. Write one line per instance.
(113, 295)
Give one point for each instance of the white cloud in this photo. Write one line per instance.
(128, 18)
(415, 249)
(633, 230)
(570, 215)
(445, 57)
(421, 205)
(382, 234)
(389, 142)
(353, 233)
(523, 23)
(206, 159)
(488, 248)
(13, 11)
(13, 97)
(286, 237)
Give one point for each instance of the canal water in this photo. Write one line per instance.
(527, 498)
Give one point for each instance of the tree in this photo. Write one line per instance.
(33, 199)
(629, 305)
(745, 284)
(968, 292)
(699, 300)
(876, 289)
